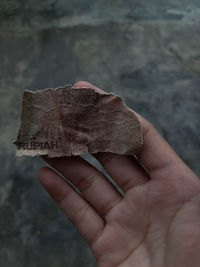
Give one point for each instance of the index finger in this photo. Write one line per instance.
(157, 155)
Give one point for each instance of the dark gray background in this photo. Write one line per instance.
(146, 51)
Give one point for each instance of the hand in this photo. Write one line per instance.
(155, 223)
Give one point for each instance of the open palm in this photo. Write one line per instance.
(155, 222)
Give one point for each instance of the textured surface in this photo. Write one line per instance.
(69, 121)
(146, 51)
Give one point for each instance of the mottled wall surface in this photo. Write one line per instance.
(146, 51)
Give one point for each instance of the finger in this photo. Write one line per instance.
(82, 84)
(124, 170)
(80, 213)
(93, 185)
(156, 154)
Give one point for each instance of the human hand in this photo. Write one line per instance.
(156, 223)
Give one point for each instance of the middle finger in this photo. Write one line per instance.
(92, 184)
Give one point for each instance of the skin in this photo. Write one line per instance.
(156, 222)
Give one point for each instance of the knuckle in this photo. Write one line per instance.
(86, 182)
(110, 206)
(80, 216)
